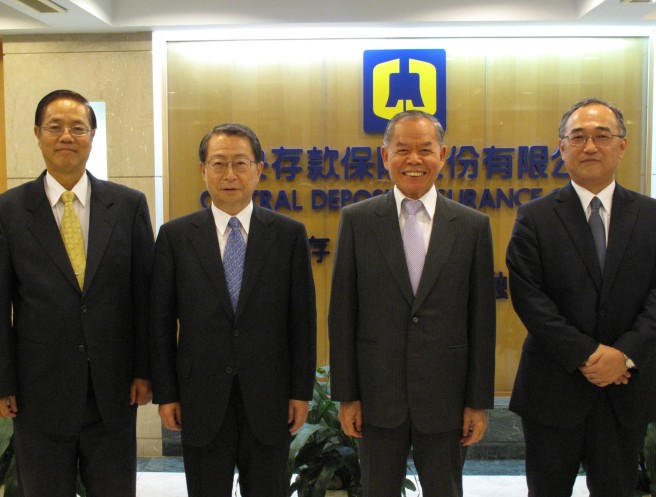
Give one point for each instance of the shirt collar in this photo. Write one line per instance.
(605, 195)
(221, 218)
(54, 189)
(429, 200)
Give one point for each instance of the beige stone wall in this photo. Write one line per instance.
(3, 160)
(115, 69)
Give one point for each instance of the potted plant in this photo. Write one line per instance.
(321, 455)
(647, 476)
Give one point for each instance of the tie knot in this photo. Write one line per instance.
(595, 203)
(233, 223)
(411, 206)
(67, 197)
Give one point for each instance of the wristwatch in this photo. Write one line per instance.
(628, 362)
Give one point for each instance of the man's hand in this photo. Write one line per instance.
(298, 413)
(606, 365)
(8, 407)
(140, 392)
(171, 415)
(474, 424)
(350, 417)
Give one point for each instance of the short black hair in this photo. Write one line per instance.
(232, 129)
(584, 102)
(63, 95)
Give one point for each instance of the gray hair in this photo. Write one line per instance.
(412, 115)
(584, 102)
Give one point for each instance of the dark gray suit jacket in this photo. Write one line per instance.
(270, 342)
(568, 308)
(429, 356)
(59, 332)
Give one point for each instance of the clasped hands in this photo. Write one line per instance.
(606, 366)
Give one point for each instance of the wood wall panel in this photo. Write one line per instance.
(301, 94)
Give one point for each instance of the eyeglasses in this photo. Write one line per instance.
(220, 165)
(58, 130)
(600, 140)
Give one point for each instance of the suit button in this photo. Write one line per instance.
(81, 348)
(415, 319)
(232, 371)
(83, 308)
(235, 333)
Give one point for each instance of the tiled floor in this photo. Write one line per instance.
(163, 477)
(172, 485)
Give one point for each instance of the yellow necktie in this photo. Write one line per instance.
(71, 232)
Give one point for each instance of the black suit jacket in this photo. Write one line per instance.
(269, 342)
(431, 355)
(60, 333)
(569, 307)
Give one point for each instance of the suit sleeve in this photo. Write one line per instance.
(343, 316)
(481, 323)
(142, 262)
(639, 343)
(7, 341)
(163, 335)
(553, 333)
(302, 321)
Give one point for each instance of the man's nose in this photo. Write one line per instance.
(414, 157)
(590, 144)
(66, 135)
(230, 171)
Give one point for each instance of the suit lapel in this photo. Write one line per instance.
(101, 226)
(443, 236)
(568, 208)
(388, 235)
(623, 218)
(203, 238)
(44, 229)
(260, 239)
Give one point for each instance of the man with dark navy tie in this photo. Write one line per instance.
(582, 264)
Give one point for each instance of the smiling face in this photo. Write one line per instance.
(65, 155)
(591, 165)
(231, 191)
(414, 156)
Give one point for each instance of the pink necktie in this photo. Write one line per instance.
(413, 242)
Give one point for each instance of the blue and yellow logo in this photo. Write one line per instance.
(398, 80)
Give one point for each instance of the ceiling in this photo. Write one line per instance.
(100, 16)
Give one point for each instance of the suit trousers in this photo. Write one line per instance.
(384, 452)
(107, 459)
(607, 450)
(210, 469)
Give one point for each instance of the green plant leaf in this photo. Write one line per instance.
(325, 477)
(409, 485)
(321, 452)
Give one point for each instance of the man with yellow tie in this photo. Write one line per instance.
(75, 265)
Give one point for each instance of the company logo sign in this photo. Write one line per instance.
(399, 80)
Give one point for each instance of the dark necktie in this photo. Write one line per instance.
(598, 231)
(233, 260)
(413, 242)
